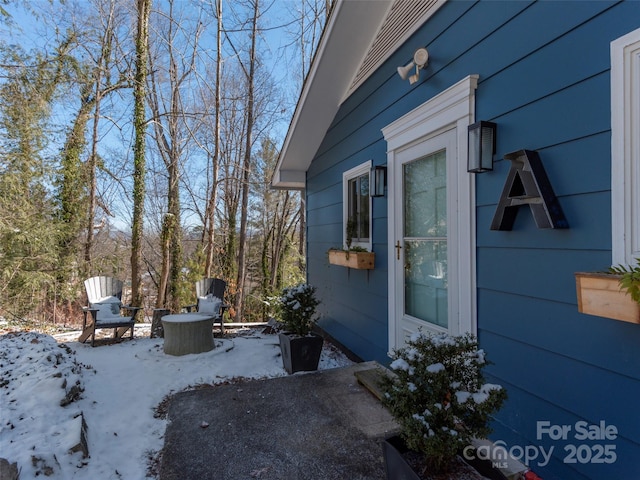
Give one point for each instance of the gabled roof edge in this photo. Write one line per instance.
(350, 29)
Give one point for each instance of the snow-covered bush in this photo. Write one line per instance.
(439, 396)
(297, 308)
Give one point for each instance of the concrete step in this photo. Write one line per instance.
(371, 377)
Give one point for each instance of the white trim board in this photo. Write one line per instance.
(625, 148)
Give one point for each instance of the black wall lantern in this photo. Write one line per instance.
(482, 147)
(379, 176)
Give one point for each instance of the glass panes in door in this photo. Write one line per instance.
(425, 238)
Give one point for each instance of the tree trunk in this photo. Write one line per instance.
(92, 164)
(165, 243)
(211, 207)
(73, 189)
(139, 93)
(176, 238)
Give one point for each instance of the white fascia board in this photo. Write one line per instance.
(352, 27)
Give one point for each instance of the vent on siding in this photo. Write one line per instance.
(403, 19)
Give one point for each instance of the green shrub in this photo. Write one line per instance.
(439, 397)
(297, 308)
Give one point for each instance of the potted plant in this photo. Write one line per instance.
(352, 257)
(611, 294)
(629, 279)
(441, 402)
(300, 347)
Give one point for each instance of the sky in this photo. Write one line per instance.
(122, 385)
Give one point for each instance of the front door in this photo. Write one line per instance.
(431, 213)
(423, 212)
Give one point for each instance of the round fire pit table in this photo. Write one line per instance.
(186, 333)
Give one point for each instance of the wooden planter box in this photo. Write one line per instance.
(359, 260)
(599, 294)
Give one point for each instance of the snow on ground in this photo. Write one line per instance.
(118, 389)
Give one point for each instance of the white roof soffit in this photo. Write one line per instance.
(350, 31)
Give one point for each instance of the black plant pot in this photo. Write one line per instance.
(397, 468)
(300, 354)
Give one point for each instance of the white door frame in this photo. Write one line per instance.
(453, 109)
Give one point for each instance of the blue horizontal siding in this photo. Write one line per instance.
(546, 274)
(523, 409)
(580, 111)
(513, 423)
(522, 37)
(553, 64)
(568, 385)
(555, 327)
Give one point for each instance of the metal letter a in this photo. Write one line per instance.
(527, 184)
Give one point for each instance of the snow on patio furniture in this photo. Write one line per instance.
(210, 300)
(105, 308)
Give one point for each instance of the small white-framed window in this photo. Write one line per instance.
(356, 210)
(625, 148)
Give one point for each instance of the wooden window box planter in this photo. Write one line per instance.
(599, 294)
(359, 260)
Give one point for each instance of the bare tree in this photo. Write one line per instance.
(170, 118)
(210, 223)
(104, 85)
(279, 218)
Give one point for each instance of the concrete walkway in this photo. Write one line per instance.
(316, 426)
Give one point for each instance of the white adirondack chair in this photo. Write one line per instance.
(105, 309)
